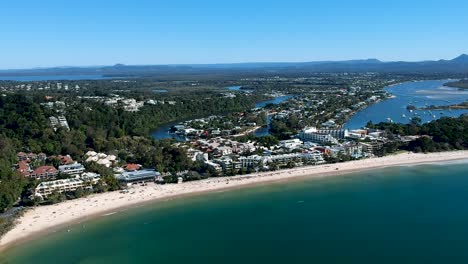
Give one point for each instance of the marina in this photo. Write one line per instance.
(408, 98)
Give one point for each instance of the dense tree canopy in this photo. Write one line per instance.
(443, 134)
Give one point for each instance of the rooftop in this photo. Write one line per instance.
(137, 175)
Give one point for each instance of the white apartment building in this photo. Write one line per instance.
(72, 169)
(291, 143)
(251, 161)
(336, 133)
(67, 185)
(256, 160)
(320, 138)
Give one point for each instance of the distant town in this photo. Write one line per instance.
(67, 139)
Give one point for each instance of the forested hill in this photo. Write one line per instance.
(24, 126)
(96, 126)
(442, 134)
(457, 65)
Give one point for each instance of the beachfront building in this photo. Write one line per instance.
(138, 176)
(45, 189)
(251, 161)
(228, 163)
(213, 165)
(354, 150)
(72, 169)
(315, 156)
(255, 160)
(283, 159)
(373, 148)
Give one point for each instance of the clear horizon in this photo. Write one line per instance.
(54, 33)
(214, 63)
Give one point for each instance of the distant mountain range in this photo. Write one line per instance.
(456, 65)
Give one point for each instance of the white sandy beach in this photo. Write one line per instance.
(46, 219)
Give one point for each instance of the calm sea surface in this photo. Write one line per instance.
(412, 215)
(419, 94)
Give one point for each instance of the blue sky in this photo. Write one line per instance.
(102, 32)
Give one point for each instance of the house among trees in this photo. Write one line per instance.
(31, 156)
(131, 167)
(42, 172)
(63, 160)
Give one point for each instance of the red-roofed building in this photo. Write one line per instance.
(64, 160)
(131, 167)
(23, 168)
(325, 151)
(44, 172)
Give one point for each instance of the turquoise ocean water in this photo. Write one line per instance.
(415, 214)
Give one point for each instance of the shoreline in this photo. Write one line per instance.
(44, 220)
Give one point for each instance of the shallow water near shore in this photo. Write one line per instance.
(412, 214)
(420, 94)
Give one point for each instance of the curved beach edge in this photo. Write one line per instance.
(39, 221)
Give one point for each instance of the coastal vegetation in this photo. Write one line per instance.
(439, 135)
(11, 184)
(98, 119)
(24, 126)
(462, 84)
(463, 105)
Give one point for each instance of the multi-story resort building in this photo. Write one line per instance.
(72, 169)
(251, 161)
(45, 189)
(138, 176)
(373, 148)
(226, 163)
(318, 138)
(323, 135)
(256, 160)
(42, 172)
